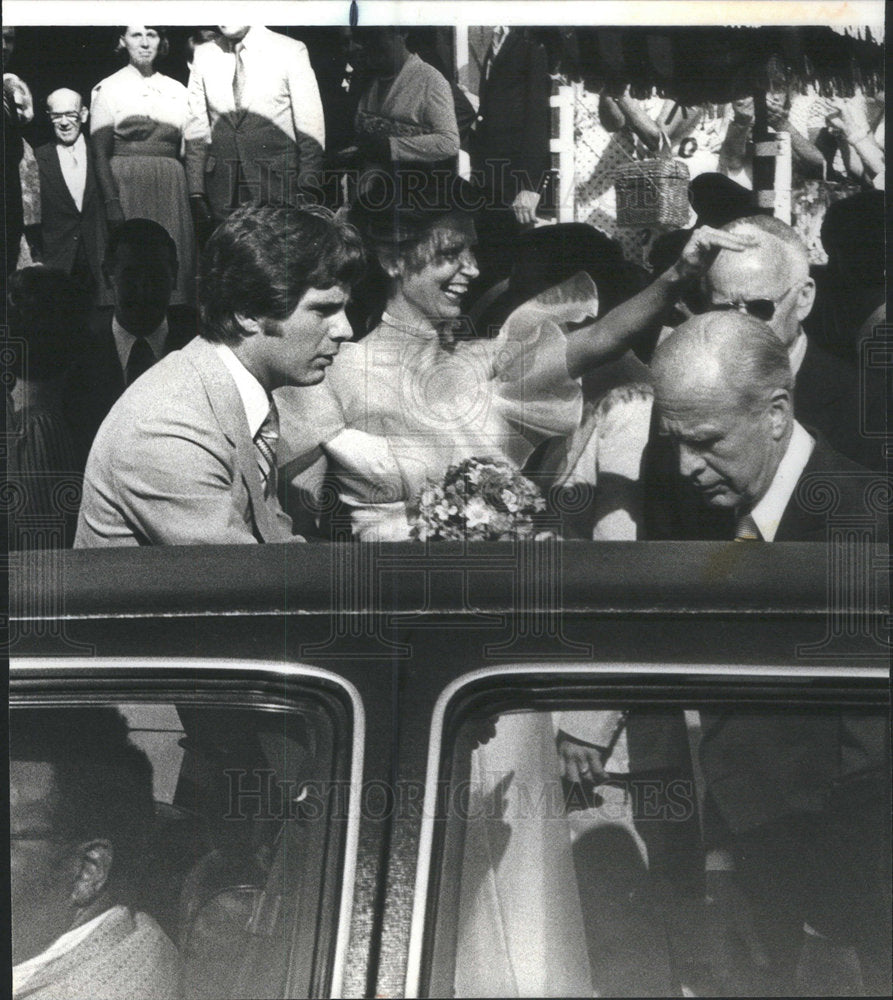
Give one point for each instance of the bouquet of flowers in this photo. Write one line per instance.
(480, 499)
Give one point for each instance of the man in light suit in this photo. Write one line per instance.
(797, 810)
(255, 131)
(187, 455)
(73, 224)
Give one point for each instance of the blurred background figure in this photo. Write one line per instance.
(128, 337)
(255, 131)
(406, 116)
(509, 144)
(137, 117)
(47, 313)
(13, 217)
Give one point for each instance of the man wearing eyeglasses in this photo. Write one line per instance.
(770, 281)
(80, 815)
(73, 223)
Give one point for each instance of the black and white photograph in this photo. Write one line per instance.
(447, 495)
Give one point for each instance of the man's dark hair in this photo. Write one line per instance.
(260, 262)
(102, 782)
(48, 311)
(144, 235)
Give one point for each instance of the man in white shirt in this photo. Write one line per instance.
(255, 132)
(73, 224)
(188, 454)
(81, 810)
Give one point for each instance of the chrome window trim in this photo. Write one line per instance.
(429, 808)
(65, 666)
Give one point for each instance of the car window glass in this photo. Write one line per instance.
(230, 873)
(584, 852)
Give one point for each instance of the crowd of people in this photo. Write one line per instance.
(230, 333)
(348, 324)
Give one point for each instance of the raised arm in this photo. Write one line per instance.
(608, 337)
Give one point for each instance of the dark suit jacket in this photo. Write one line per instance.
(98, 380)
(513, 117)
(672, 511)
(63, 227)
(762, 767)
(827, 397)
(174, 463)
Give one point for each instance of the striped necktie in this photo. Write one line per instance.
(265, 442)
(746, 530)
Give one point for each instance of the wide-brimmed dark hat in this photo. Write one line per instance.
(400, 205)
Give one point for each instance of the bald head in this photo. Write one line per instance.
(66, 111)
(723, 387)
(769, 280)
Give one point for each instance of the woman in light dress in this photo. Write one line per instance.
(137, 118)
(420, 392)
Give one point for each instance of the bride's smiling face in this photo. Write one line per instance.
(435, 276)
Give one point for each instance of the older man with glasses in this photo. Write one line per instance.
(73, 222)
(770, 281)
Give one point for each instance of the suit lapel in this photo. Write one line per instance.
(90, 188)
(54, 171)
(509, 43)
(230, 413)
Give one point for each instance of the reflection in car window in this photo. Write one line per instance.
(170, 849)
(666, 851)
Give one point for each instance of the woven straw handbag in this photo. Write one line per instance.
(653, 192)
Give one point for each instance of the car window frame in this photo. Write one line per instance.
(424, 902)
(82, 676)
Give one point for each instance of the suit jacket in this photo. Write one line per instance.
(514, 116)
(174, 463)
(127, 955)
(97, 380)
(63, 227)
(276, 139)
(762, 767)
(673, 510)
(827, 396)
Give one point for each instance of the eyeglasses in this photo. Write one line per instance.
(762, 309)
(68, 116)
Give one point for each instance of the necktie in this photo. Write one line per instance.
(746, 530)
(239, 76)
(265, 442)
(140, 360)
(499, 34)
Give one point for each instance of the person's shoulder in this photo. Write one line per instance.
(825, 459)
(205, 52)
(43, 152)
(114, 79)
(275, 40)
(171, 85)
(430, 74)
